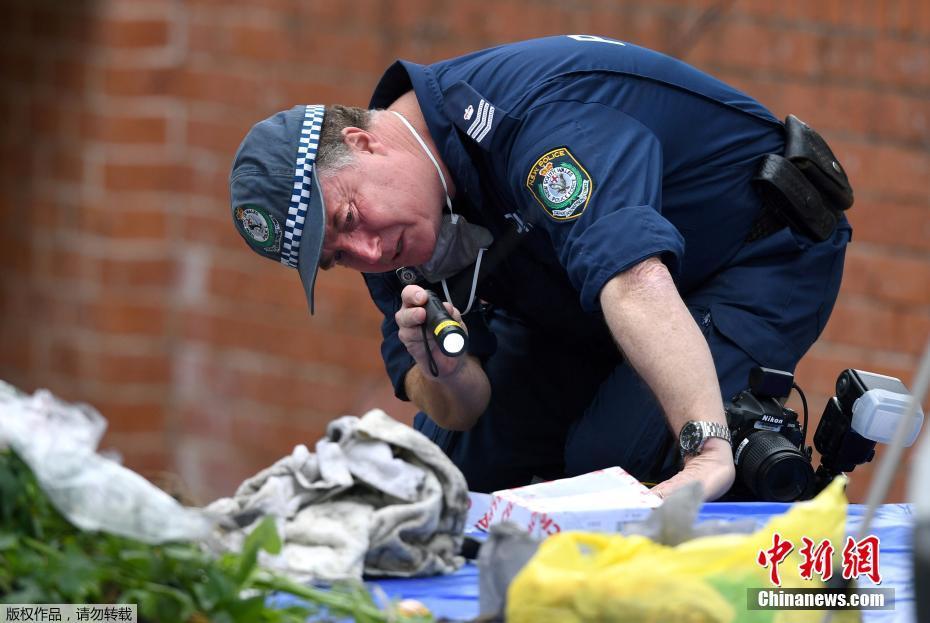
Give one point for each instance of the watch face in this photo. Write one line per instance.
(691, 437)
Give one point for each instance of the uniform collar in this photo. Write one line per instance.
(400, 78)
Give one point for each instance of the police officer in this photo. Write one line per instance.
(589, 207)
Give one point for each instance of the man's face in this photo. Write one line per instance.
(382, 212)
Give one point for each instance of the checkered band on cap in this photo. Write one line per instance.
(300, 198)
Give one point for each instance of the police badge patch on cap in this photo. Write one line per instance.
(259, 228)
(560, 184)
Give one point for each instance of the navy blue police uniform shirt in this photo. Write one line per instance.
(608, 152)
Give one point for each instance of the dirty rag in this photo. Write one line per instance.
(376, 498)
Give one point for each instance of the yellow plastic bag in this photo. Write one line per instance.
(582, 576)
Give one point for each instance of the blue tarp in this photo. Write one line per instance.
(456, 596)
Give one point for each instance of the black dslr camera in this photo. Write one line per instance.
(773, 462)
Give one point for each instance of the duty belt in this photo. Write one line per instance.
(805, 189)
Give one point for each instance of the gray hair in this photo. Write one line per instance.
(333, 154)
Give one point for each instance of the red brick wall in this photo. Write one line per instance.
(124, 284)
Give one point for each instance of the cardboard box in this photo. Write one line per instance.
(601, 501)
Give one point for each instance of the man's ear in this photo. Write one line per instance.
(359, 140)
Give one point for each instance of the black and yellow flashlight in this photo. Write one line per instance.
(449, 334)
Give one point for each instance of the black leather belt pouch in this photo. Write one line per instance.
(806, 186)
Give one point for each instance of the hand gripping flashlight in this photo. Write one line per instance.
(449, 334)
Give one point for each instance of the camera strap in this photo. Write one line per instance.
(806, 188)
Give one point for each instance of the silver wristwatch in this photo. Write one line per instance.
(693, 435)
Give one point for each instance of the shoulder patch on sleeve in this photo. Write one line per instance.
(560, 184)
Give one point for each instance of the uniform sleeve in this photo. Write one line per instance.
(386, 295)
(385, 292)
(592, 177)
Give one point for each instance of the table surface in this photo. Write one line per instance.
(455, 596)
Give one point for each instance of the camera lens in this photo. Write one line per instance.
(774, 469)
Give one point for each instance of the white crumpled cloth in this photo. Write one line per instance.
(59, 441)
(377, 498)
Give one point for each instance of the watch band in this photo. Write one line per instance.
(715, 429)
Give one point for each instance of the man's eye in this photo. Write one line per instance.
(337, 257)
(350, 217)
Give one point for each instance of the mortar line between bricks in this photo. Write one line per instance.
(88, 291)
(877, 196)
(92, 340)
(230, 307)
(248, 360)
(891, 250)
(849, 352)
(280, 415)
(825, 80)
(144, 393)
(822, 27)
(871, 303)
(916, 201)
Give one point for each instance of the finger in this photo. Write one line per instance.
(412, 335)
(410, 317)
(668, 487)
(680, 480)
(413, 296)
(453, 311)
(715, 478)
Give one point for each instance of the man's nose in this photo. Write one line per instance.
(366, 248)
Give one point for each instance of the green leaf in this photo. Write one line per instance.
(184, 553)
(146, 602)
(294, 614)
(28, 595)
(8, 541)
(171, 604)
(213, 588)
(134, 564)
(134, 555)
(77, 575)
(247, 610)
(264, 536)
